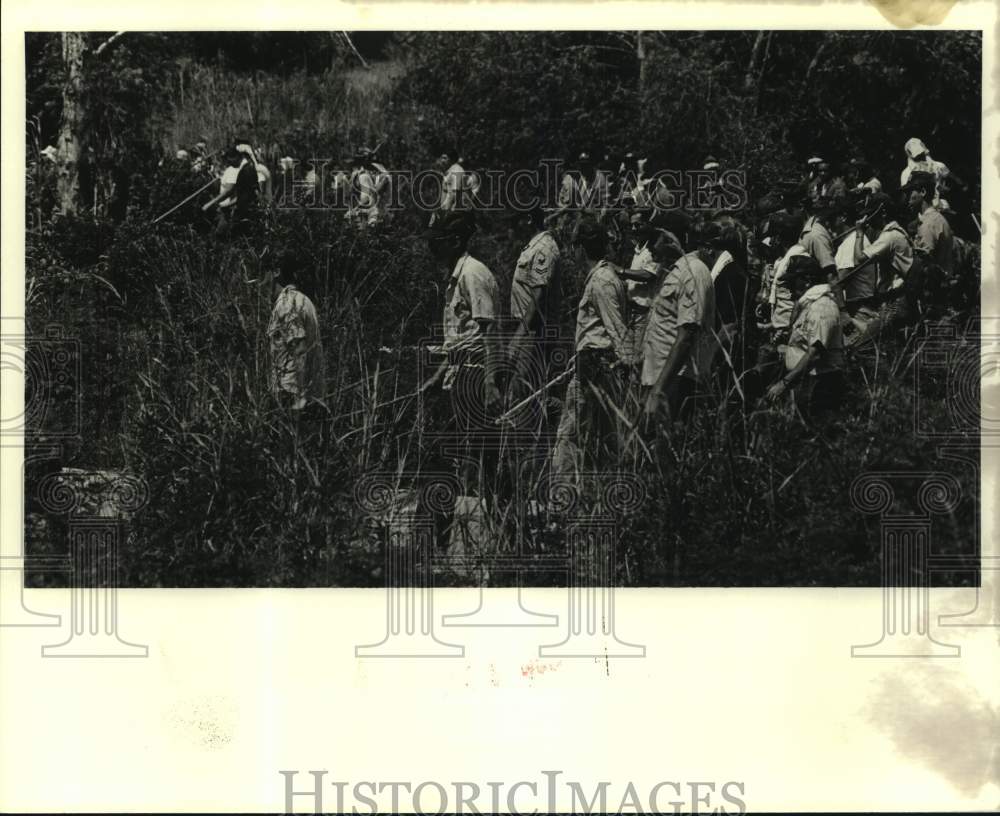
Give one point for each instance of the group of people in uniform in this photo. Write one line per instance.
(247, 188)
(676, 306)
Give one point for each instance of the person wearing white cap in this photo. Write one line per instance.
(918, 158)
(812, 176)
(263, 174)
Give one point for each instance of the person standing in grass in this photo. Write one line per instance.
(298, 366)
(934, 239)
(814, 357)
(455, 185)
(238, 196)
(680, 339)
(892, 251)
(367, 185)
(530, 297)
(815, 237)
(589, 428)
(470, 317)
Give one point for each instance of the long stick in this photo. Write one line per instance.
(504, 417)
(862, 223)
(185, 201)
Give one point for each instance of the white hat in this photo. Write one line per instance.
(814, 160)
(915, 147)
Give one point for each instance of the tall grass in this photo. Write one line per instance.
(305, 116)
(172, 325)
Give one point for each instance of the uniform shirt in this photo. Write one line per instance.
(730, 283)
(849, 254)
(472, 295)
(934, 237)
(685, 298)
(453, 187)
(817, 322)
(893, 251)
(781, 297)
(229, 176)
(365, 194)
(937, 169)
(600, 318)
(816, 240)
(297, 363)
(534, 269)
(640, 293)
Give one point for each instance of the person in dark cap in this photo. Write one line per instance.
(858, 288)
(890, 248)
(816, 239)
(934, 240)
(680, 345)
(892, 253)
(532, 287)
(471, 311)
(589, 428)
(471, 306)
(814, 356)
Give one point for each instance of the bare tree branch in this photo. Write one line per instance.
(355, 50)
(108, 43)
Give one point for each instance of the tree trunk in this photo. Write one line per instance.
(70, 142)
(642, 55)
(748, 78)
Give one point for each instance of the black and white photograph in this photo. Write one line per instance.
(290, 294)
(499, 408)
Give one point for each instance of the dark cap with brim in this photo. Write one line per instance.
(803, 267)
(920, 180)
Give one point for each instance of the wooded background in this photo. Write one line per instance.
(171, 326)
